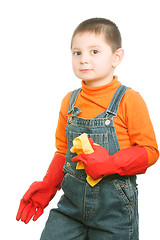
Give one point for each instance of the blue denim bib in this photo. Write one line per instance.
(101, 128)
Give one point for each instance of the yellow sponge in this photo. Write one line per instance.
(81, 145)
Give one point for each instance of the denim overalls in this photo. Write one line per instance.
(109, 210)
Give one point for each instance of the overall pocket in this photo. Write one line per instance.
(125, 189)
(101, 139)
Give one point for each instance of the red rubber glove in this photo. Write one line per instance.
(129, 161)
(40, 193)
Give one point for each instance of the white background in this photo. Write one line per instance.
(36, 73)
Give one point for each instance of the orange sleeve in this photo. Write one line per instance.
(61, 140)
(139, 125)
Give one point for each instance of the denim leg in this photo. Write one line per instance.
(110, 211)
(95, 234)
(62, 227)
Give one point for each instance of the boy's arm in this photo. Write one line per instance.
(129, 161)
(40, 193)
(61, 140)
(139, 125)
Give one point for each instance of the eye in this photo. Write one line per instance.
(94, 51)
(76, 53)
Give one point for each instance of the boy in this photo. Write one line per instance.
(116, 118)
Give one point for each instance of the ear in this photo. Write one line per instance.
(117, 57)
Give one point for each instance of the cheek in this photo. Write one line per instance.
(104, 64)
(101, 66)
(74, 65)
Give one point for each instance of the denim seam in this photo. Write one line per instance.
(73, 98)
(84, 203)
(113, 107)
(121, 192)
(115, 139)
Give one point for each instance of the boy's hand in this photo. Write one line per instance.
(96, 162)
(40, 193)
(129, 161)
(34, 201)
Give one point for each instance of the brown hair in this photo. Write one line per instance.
(98, 26)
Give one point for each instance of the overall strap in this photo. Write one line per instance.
(113, 107)
(72, 100)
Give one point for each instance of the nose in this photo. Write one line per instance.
(84, 59)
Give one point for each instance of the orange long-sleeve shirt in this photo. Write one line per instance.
(132, 123)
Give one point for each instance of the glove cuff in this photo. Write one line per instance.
(131, 161)
(55, 174)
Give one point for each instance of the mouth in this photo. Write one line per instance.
(85, 70)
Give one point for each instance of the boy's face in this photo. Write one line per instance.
(92, 59)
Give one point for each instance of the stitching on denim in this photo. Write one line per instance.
(115, 138)
(113, 107)
(88, 212)
(84, 203)
(73, 98)
(119, 189)
(136, 208)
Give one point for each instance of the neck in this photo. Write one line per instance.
(98, 82)
(100, 90)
